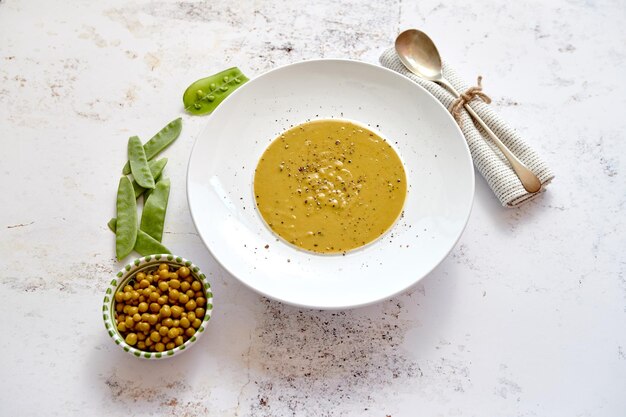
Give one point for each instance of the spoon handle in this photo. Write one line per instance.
(529, 180)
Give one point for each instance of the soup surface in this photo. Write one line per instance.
(329, 186)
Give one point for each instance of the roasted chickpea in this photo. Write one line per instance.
(143, 327)
(160, 309)
(165, 311)
(176, 311)
(131, 339)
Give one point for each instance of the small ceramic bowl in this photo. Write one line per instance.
(127, 274)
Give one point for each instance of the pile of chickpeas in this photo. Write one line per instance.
(160, 309)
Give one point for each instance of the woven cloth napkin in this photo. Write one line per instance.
(488, 159)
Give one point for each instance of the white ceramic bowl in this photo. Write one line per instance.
(127, 274)
(437, 161)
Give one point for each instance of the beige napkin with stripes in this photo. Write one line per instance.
(488, 159)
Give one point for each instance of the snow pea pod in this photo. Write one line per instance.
(139, 163)
(160, 141)
(126, 231)
(204, 95)
(145, 244)
(153, 215)
(156, 168)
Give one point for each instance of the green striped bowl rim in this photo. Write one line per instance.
(126, 274)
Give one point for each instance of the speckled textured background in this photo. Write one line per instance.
(526, 317)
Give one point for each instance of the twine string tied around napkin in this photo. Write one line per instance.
(471, 93)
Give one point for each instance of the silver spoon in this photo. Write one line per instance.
(419, 55)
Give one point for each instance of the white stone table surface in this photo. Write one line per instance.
(526, 317)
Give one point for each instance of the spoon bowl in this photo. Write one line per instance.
(419, 54)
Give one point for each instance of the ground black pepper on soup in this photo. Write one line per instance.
(329, 186)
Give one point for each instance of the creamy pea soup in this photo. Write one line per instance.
(329, 186)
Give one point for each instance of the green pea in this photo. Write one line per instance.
(145, 244)
(160, 141)
(126, 227)
(214, 88)
(156, 168)
(153, 215)
(139, 163)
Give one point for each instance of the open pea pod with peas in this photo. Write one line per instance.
(204, 95)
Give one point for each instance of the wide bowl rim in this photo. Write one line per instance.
(394, 74)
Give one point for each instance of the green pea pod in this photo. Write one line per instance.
(204, 95)
(153, 215)
(145, 244)
(126, 231)
(139, 163)
(160, 141)
(112, 224)
(156, 168)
